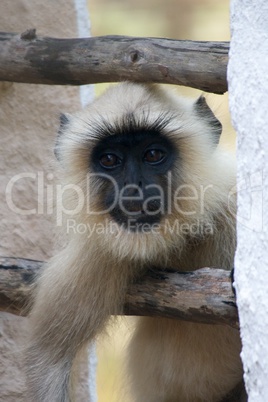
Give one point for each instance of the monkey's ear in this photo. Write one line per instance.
(64, 122)
(204, 112)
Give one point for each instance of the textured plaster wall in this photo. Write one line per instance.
(248, 91)
(28, 123)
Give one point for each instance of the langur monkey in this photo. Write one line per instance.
(150, 172)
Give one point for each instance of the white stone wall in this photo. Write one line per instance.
(248, 95)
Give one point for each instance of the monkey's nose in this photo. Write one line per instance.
(132, 190)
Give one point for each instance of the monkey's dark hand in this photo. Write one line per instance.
(232, 279)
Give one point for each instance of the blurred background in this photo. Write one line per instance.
(206, 20)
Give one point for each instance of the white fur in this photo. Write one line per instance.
(169, 361)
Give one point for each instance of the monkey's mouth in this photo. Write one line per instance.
(135, 218)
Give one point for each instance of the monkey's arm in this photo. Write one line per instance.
(74, 299)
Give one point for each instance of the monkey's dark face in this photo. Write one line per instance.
(133, 167)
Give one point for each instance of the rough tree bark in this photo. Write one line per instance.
(204, 295)
(40, 60)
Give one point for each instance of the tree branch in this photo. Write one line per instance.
(203, 296)
(41, 60)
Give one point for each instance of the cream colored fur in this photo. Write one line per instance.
(169, 361)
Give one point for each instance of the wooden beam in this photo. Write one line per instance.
(28, 58)
(204, 295)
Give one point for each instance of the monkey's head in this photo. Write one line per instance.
(131, 152)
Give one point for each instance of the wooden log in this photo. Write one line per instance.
(17, 279)
(34, 59)
(203, 296)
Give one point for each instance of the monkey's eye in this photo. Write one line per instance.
(154, 156)
(109, 161)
